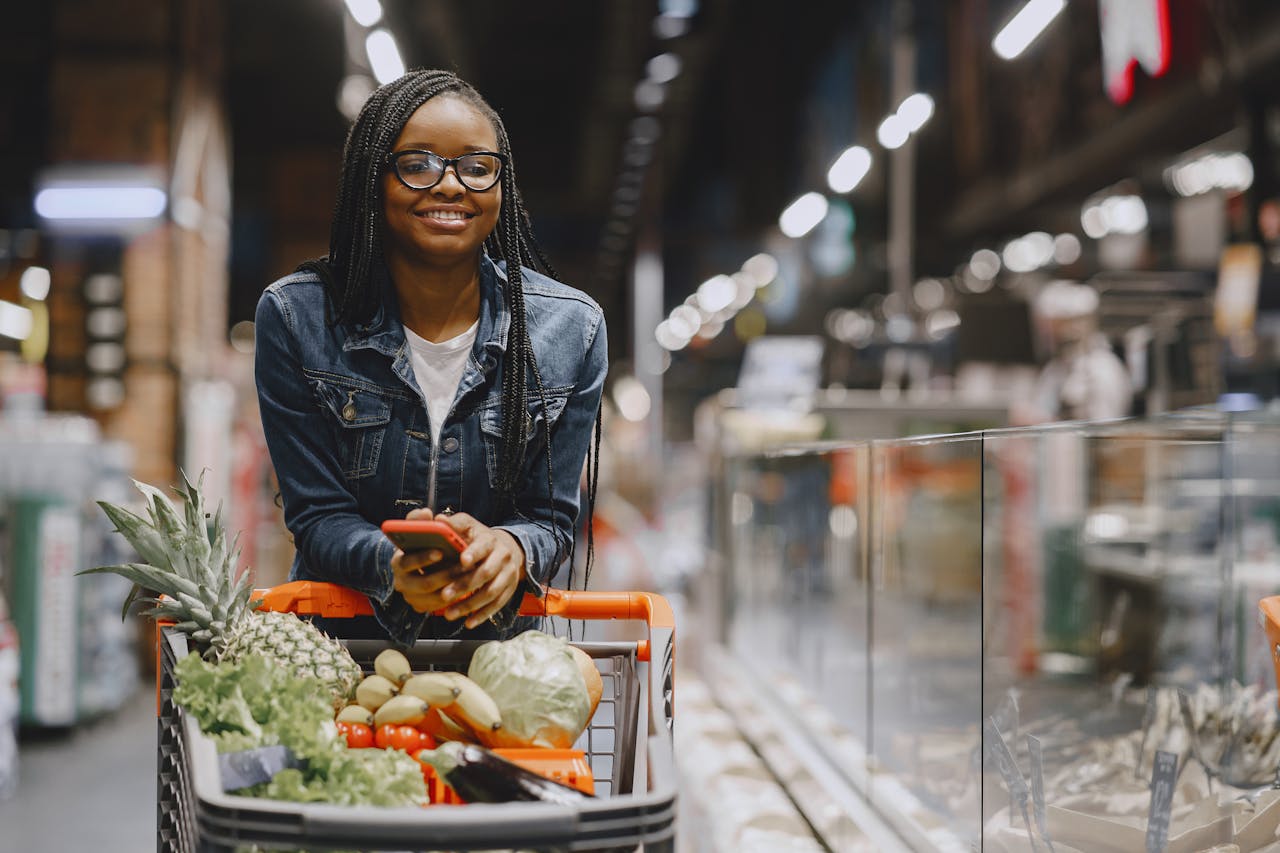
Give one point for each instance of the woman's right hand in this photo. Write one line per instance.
(416, 577)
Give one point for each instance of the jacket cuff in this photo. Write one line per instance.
(536, 570)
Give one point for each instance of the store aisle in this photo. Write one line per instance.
(90, 788)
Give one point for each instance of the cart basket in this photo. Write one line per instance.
(627, 744)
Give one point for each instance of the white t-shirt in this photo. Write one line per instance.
(438, 367)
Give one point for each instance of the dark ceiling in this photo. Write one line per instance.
(562, 74)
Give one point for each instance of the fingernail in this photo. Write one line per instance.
(434, 554)
(451, 613)
(449, 592)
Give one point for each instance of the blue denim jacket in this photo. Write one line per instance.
(346, 426)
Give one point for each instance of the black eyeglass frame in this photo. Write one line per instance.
(392, 162)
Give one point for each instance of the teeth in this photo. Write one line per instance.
(446, 215)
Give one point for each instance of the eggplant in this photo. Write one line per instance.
(480, 775)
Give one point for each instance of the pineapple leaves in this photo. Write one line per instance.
(144, 538)
(130, 600)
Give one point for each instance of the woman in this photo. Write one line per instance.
(425, 367)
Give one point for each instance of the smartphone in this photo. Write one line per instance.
(411, 536)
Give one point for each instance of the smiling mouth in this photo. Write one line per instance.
(445, 215)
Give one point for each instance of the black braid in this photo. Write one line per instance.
(351, 270)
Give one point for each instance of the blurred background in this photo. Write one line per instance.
(830, 221)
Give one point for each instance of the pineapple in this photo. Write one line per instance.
(193, 567)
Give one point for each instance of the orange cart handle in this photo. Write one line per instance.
(316, 598)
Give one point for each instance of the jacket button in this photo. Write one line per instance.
(449, 445)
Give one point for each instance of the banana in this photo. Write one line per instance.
(474, 708)
(356, 714)
(374, 691)
(393, 666)
(437, 689)
(442, 728)
(401, 711)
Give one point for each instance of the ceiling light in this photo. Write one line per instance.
(763, 268)
(916, 110)
(384, 56)
(985, 264)
(1066, 249)
(893, 132)
(803, 214)
(849, 169)
(1021, 31)
(15, 321)
(716, 294)
(663, 68)
(100, 202)
(365, 12)
(669, 338)
(34, 283)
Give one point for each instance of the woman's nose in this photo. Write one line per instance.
(449, 186)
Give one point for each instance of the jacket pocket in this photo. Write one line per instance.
(360, 417)
(537, 422)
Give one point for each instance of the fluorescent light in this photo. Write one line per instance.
(100, 202)
(892, 132)
(365, 12)
(915, 111)
(803, 214)
(1020, 32)
(384, 56)
(849, 169)
(35, 283)
(15, 321)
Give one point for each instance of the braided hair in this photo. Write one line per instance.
(355, 262)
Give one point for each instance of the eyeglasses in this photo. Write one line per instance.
(422, 170)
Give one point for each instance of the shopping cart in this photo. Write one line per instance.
(627, 744)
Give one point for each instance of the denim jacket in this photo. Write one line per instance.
(346, 427)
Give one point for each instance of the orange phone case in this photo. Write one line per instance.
(421, 535)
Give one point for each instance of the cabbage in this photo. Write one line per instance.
(537, 687)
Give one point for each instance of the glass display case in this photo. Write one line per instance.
(1021, 639)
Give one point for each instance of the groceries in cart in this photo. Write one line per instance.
(294, 717)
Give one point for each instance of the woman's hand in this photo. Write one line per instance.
(486, 576)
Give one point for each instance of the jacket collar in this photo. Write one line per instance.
(385, 332)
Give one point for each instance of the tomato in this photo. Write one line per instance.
(426, 741)
(360, 736)
(406, 738)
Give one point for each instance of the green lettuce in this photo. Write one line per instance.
(249, 703)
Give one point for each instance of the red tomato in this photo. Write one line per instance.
(359, 736)
(344, 729)
(406, 738)
(426, 741)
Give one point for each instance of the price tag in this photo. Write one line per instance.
(1164, 773)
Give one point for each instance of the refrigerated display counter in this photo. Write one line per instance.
(1009, 638)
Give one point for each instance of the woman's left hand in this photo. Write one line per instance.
(493, 564)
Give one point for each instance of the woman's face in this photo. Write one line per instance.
(448, 221)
